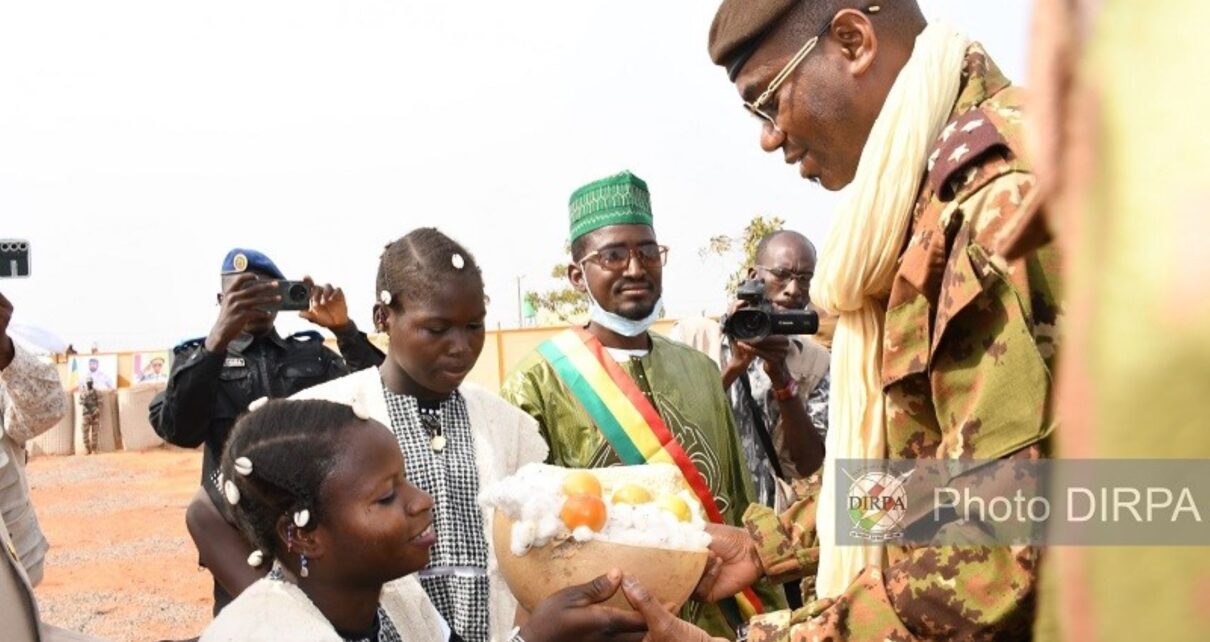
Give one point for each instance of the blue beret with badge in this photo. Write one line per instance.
(245, 260)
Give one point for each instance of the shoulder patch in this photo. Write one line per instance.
(962, 142)
(307, 336)
(188, 344)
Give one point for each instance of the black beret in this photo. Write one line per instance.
(740, 26)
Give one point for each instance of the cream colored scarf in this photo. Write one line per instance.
(856, 269)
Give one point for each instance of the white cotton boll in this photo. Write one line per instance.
(548, 527)
(533, 510)
(522, 537)
(641, 520)
(582, 534)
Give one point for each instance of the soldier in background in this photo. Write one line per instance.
(90, 404)
(214, 378)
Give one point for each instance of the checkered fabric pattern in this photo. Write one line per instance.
(456, 577)
(386, 630)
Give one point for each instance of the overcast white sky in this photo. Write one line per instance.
(142, 139)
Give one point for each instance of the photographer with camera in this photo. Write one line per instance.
(776, 378)
(213, 379)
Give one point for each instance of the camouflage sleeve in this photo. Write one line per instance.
(967, 591)
(936, 593)
(31, 397)
(788, 547)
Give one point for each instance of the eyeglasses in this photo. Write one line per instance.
(757, 107)
(617, 259)
(783, 276)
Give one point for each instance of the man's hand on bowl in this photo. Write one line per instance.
(734, 564)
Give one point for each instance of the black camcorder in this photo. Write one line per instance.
(759, 320)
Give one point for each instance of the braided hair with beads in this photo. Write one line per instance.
(415, 266)
(278, 458)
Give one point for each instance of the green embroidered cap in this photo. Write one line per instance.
(621, 199)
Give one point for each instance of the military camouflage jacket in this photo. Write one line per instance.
(968, 352)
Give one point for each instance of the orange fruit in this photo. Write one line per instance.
(677, 506)
(583, 510)
(631, 494)
(581, 482)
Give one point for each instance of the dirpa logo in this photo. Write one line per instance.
(877, 503)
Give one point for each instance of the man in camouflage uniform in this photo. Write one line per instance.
(969, 337)
(90, 404)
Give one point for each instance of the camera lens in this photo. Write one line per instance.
(750, 325)
(298, 292)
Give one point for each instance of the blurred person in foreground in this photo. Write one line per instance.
(1123, 190)
(32, 401)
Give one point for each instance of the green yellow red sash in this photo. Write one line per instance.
(628, 420)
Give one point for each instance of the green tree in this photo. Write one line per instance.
(563, 304)
(742, 248)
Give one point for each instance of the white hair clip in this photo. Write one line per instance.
(302, 517)
(359, 408)
(243, 466)
(385, 297)
(457, 261)
(231, 492)
(256, 558)
(255, 405)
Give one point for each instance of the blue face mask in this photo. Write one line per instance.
(620, 324)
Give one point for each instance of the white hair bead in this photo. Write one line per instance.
(256, 558)
(255, 405)
(457, 261)
(231, 492)
(359, 408)
(302, 517)
(243, 466)
(385, 297)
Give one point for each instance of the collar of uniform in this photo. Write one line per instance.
(244, 340)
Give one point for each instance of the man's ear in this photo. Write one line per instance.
(575, 276)
(858, 44)
(311, 542)
(751, 273)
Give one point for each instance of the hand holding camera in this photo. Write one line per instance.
(245, 300)
(760, 330)
(755, 318)
(326, 306)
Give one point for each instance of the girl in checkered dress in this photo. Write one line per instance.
(457, 437)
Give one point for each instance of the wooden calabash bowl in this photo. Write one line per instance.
(669, 575)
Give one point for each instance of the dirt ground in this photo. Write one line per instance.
(121, 565)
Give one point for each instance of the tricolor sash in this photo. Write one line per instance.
(631, 424)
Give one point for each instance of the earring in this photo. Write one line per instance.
(302, 566)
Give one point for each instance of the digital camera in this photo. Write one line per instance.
(759, 319)
(295, 295)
